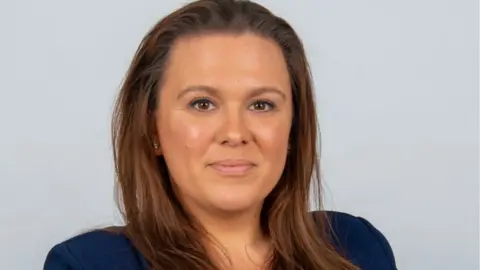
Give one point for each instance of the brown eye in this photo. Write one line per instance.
(262, 105)
(202, 104)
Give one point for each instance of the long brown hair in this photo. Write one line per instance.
(156, 223)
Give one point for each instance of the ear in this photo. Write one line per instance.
(155, 137)
(157, 148)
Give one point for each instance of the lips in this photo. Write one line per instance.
(232, 167)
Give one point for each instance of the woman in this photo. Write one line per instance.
(215, 150)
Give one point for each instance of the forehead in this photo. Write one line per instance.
(222, 60)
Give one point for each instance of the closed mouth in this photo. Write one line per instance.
(232, 167)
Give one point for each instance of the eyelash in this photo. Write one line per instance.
(265, 102)
(197, 101)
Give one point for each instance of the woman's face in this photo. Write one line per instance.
(223, 120)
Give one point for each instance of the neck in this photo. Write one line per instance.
(235, 239)
(232, 229)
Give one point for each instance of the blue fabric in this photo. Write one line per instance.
(356, 238)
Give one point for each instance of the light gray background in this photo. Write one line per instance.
(397, 93)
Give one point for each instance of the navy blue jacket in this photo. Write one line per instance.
(361, 243)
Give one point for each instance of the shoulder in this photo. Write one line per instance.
(100, 249)
(354, 237)
(359, 241)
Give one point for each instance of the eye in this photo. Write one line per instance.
(202, 104)
(262, 105)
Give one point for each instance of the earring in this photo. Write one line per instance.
(155, 145)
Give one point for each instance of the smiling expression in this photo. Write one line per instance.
(223, 119)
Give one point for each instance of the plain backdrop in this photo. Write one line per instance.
(397, 91)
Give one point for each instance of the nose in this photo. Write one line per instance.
(234, 130)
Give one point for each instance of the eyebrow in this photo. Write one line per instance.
(215, 92)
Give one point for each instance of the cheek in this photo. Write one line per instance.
(184, 143)
(272, 140)
(182, 135)
(272, 134)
